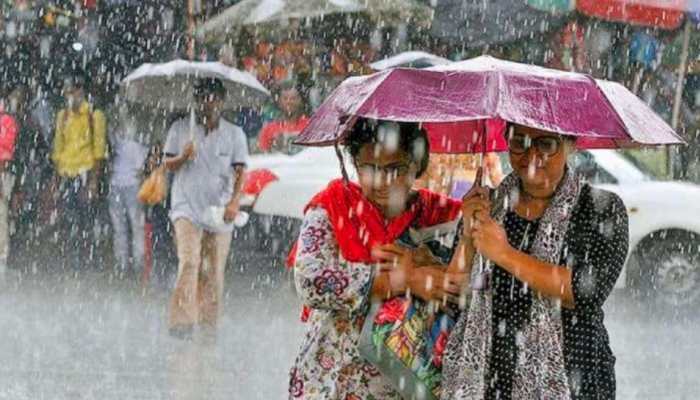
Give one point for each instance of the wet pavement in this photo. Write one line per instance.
(90, 337)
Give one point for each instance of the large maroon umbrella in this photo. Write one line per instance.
(452, 98)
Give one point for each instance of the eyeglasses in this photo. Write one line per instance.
(394, 170)
(545, 145)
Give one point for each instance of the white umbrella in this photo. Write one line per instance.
(262, 12)
(170, 85)
(416, 59)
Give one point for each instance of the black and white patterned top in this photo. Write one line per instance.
(595, 249)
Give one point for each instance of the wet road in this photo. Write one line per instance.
(88, 337)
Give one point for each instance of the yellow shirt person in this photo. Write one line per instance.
(80, 141)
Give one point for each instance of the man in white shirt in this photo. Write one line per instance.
(208, 160)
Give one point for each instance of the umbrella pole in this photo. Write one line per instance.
(193, 124)
(191, 28)
(679, 93)
(484, 133)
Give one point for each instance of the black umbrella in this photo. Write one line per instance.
(477, 23)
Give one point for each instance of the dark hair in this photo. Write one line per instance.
(206, 86)
(412, 139)
(564, 138)
(76, 78)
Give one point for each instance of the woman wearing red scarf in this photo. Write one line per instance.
(347, 254)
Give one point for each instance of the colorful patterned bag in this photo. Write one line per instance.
(404, 338)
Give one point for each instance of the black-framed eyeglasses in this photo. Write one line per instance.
(545, 145)
(393, 170)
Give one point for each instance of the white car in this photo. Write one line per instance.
(664, 225)
(664, 216)
(297, 178)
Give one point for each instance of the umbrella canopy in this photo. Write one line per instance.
(170, 85)
(476, 23)
(266, 12)
(665, 14)
(414, 59)
(601, 114)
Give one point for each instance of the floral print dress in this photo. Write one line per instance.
(329, 365)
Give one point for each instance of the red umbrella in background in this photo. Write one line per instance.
(449, 137)
(664, 14)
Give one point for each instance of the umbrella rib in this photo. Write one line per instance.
(352, 113)
(360, 104)
(615, 112)
(377, 88)
(499, 85)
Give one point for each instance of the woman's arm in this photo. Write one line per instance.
(491, 241)
(587, 282)
(605, 246)
(428, 282)
(381, 286)
(449, 284)
(435, 282)
(444, 284)
(323, 279)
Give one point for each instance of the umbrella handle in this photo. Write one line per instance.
(192, 123)
(482, 176)
(482, 182)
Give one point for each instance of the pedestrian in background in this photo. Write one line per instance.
(208, 160)
(31, 169)
(277, 135)
(126, 213)
(79, 151)
(8, 136)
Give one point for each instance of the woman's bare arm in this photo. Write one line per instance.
(435, 282)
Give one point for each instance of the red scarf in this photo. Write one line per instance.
(359, 226)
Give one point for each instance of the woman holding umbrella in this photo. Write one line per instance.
(554, 248)
(349, 229)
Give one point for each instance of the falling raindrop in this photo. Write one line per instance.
(532, 169)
